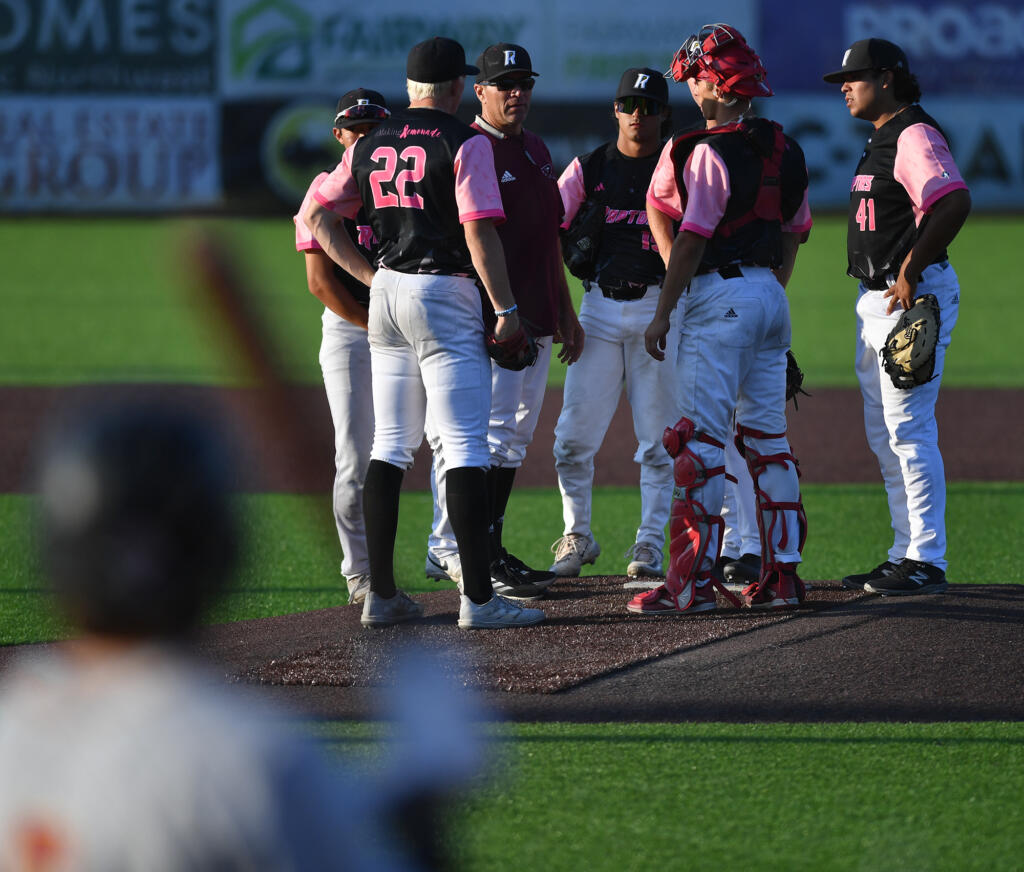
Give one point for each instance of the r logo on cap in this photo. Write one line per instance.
(846, 57)
(641, 80)
(510, 57)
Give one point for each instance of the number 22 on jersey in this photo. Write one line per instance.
(414, 158)
(866, 214)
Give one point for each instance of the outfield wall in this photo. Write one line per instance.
(185, 105)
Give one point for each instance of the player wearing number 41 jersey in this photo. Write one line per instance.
(907, 203)
(427, 182)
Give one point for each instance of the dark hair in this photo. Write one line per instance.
(905, 87)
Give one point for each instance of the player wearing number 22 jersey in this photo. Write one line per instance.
(428, 184)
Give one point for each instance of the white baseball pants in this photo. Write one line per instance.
(345, 362)
(732, 358)
(614, 357)
(900, 424)
(516, 399)
(426, 342)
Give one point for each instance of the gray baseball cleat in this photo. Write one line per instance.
(379, 612)
(496, 614)
(571, 552)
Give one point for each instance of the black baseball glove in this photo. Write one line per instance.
(794, 380)
(516, 352)
(909, 352)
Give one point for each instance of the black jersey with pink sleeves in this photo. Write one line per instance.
(421, 174)
(905, 168)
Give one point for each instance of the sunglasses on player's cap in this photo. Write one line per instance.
(360, 106)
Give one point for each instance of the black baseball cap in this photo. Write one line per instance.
(870, 54)
(643, 82)
(503, 59)
(360, 106)
(437, 60)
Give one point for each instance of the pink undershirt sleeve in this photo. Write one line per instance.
(707, 191)
(476, 185)
(339, 191)
(801, 221)
(573, 191)
(304, 239)
(663, 193)
(925, 167)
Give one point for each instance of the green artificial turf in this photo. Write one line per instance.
(292, 557)
(711, 796)
(108, 300)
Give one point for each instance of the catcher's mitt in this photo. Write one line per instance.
(794, 380)
(909, 352)
(516, 352)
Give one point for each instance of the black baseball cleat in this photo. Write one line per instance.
(512, 578)
(910, 577)
(744, 570)
(857, 582)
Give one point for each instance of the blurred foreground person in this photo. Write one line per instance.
(117, 750)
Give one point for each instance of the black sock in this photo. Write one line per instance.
(467, 511)
(380, 513)
(499, 481)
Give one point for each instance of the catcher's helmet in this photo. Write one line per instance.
(136, 527)
(719, 53)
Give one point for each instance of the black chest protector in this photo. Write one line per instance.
(881, 229)
(626, 255)
(767, 181)
(405, 168)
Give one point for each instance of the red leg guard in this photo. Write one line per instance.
(771, 521)
(691, 528)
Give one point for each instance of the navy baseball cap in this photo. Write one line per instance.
(503, 59)
(870, 54)
(437, 60)
(360, 106)
(643, 82)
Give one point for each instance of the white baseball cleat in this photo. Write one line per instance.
(495, 614)
(379, 612)
(571, 552)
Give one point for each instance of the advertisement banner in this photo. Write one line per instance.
(108, 46)
(956, 47)
(987, 141)
(108, 154)
(295, 47)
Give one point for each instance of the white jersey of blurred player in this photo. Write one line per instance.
(144, 761)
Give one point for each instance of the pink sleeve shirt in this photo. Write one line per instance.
(925, 167)
(304, 239)
(662, 193)
(707, 191)
(339, 191)
(573, 191)
(706, 180)
(476, 186)
(801, 221)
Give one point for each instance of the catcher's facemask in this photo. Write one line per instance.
(720, 53)
(686, 60)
